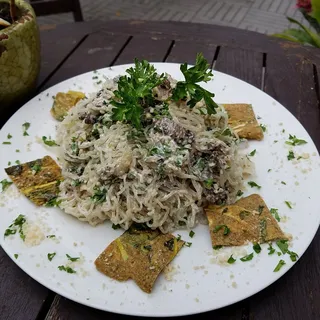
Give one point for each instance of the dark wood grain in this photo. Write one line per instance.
(241, 63)
(64, 309)
(50, 59)
(21, 297)
(296, 295)
(149, 48)
(98, 50)
(290, 80)
(184, 51)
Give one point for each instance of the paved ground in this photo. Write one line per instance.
(265, 16)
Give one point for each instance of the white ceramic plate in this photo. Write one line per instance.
(200, 279)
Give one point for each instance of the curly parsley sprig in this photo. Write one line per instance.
(190, 87)
(134, 92)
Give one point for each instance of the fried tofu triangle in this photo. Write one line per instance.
(38, 180)
(63, 102)
(243, 121)
(139, 254)
(249, 219)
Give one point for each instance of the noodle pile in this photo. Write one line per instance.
(114, 172)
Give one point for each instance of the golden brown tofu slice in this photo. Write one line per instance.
(249, 219)
(140, 254)
(243, 121)
(38, 180)
(63, 102)
(255, 203)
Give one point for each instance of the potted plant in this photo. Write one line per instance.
(19, 50)
(305, 35)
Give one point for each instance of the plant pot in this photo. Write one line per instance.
(19, 55)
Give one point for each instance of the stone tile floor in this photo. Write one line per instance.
(265, 16)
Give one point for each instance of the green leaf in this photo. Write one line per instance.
(135, 91)
(315, 5)
(226, 230)
(49, 142)
(5, 184)
(247, 258)
(191, 234)
(66, 269)
(253, 184)
(279, 266)
(257, 248)
(283, 245)
(290, 155)
(252, 153)
(274, 212)
(288, 203)
(271, 250)
(51, 256)
(301, 35)
(190, 89)
(294, 141)
(72, 259)
(231, 260)
(315, 38)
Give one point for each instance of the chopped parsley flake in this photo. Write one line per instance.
(271, 250)
(188, 244)
(293, 256)
(17, 162)
(231, 260)
(191, 234)
(263, 127)
(252, 153)
(275, 141)
(54, 202)
(17, 150)
(226, 230)
(51, 256)
(283, 245)
(36, 168)
(72, 259)
(9, 136)
(208, 183)
(260, 209)
(257, 247)
(9, 163)
(95, 77)
(239, 193)
(253, 184)
(275, 213)
(25, 127)
(5, 184)
(290, 155)
(100, 195)
(66, 269)
(279, 266)
(50, 236)
(288, 203)
(247, 257)
(49, 142)
(294, 141)
(16, 255)
(16, 226)
(6, 142)
(283, 183)
(216, 247)
(116, 226)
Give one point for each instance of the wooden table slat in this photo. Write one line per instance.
(184, 51)
(149, 48)
(240, 63)
(97, 51)
(21, 298)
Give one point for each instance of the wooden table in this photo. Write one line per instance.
(286, 71)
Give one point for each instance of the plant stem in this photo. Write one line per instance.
(12, 10)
